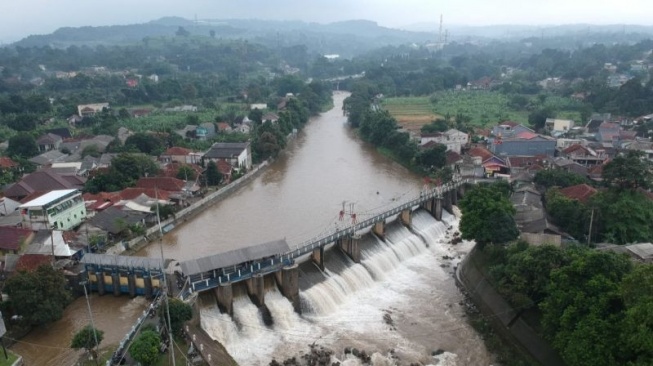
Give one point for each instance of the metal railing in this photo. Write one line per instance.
(209, 280)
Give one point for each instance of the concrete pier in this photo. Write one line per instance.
(406, 217)
(131, 284)
(100, 282)
(350, 247)
(437, 209)
(148, 286)
(256, 289)
(318, 257)
(225, 297)
(379, 229)
(289, 285)
(115, 281)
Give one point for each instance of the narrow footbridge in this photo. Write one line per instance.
(213, 271)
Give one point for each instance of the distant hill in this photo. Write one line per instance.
(347, 38)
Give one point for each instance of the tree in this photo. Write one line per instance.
(487, 216)
(86, 339)
(538, 117)
(145, 348)
(213, 175)
(180, 312)
(92, 150)
(625, 216)
(557, 178)
(433, 158)
(182, 32)
(165, 211)
(637, 293)
(22, 145)
(39, 296)
(145, 143)
(185, 172)
(582, 313)
(630, 171)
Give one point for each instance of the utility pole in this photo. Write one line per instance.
(90, 315)
(164, 284)
(589, 235)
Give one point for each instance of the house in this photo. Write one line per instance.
(531, 219)
(60, 209)
(223, 127)
(570, 166)
(73, 168)
(31, 262)
(237, 154)
(12, 239)
(270, 117)
(453, 139)
(177, 188)
(641, 252)
(6, 164)
(44, 180)
(48, 158)
(90, 110)
(124, 133)
(260, 106)
(205, 131)
(592, 126)
(189, 131)
(225, 169)
(182, 108)
(62, 132)
(180, 155)
(90, 163)
(509, 129)
(526, 143)
(580, 192)
(243, 128)
(557, 127)
(112, 222)
(453, 160)
(8, 206)
(140, 112)
(171, 169)
(490, 163)
(607, 132)
(518, 164)
(49, 142)
(48, 243)
(583, 155)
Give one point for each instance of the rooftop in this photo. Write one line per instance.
(48, 197)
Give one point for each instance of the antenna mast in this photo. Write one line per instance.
(441, 36)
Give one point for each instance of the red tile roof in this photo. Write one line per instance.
(102, 197)
(6, 162)
(525, 161)
(43, 180)
(30, 262)
(11, 237)
(453, 157)
(222, 126)
(162, 183)
(580, 192)
(176, 150)
(526, 135)
(133, 192)
(481, 152)
(574, 148)
(172, 168)
(224, 168)
(32, 196)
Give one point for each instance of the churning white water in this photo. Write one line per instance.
(400, 301)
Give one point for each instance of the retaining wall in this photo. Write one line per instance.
(187, 213)
(504, 319)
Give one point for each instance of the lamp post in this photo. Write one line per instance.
(90, 314)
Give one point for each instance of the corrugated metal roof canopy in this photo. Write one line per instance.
(231, 258)
(121, 261)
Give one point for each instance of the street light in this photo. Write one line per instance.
(90, 314)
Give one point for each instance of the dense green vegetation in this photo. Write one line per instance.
(87, 338)
(619, 213)
(591, 304)
(488, 215)
(38, 297)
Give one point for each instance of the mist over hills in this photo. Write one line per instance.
(347, 38)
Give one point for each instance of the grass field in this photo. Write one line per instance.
(485, 108)
(412, 112)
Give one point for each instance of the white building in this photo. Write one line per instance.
(61, 209)
(238, 154)
(558, 126)
(453, 139)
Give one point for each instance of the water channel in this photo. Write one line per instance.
(298, 197)
(404, 279)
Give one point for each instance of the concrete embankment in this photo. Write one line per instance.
(507, 321)
(187, 213)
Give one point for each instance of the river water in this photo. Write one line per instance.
(401, 298)
(50, 345)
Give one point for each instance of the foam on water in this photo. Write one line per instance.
(400, 278)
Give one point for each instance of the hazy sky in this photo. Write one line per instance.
(19, 18)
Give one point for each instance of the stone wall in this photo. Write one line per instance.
(505, 320)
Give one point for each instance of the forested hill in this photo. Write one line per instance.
(348, 38)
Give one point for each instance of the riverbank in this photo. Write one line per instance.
(505, 321)
(182, 216)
